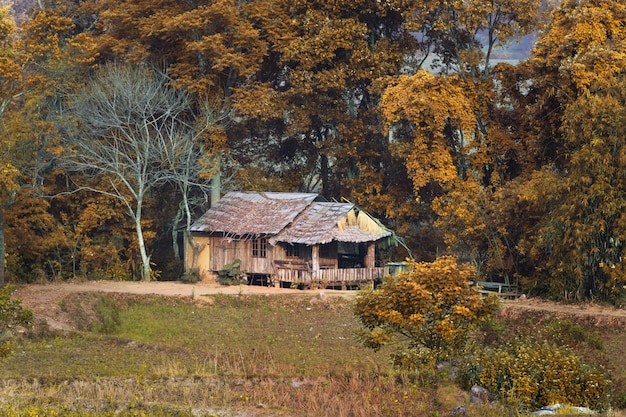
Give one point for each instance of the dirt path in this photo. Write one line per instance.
(44, 299)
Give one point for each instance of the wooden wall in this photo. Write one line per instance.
(214, 252)
(224, 252)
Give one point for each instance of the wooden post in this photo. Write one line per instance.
(315, 258)
(370, 257)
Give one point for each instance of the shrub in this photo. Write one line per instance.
(11, 314)
(108, 315)
(565, 332)
(427, 312)
(191, 277)
(232, 274)
(532, 375)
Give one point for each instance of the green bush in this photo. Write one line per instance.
(565, 332)
(12, 314)
(191, 277)
(533, 375)
(108, 315)
(232, 274)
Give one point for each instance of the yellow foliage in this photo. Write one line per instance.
(429, 104)
(533, 375)
(9, 183)
(426, 312)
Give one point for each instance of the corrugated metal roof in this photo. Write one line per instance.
(286, 217)
(253, 214)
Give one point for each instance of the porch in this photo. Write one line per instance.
(304, 274)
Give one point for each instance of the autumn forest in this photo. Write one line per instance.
(121, 120)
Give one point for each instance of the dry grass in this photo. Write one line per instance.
(230, 355)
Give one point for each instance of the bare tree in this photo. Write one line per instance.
(193, 165)
(136, 131)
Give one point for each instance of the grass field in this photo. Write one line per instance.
(237, 356)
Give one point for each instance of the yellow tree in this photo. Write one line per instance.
(425, 313)
(574, 94)
(455, 129)
(316, 89)
(11, 87)
(582, 45)
(312, 109)
(45, 57)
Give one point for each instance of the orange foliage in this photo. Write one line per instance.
(427, 312)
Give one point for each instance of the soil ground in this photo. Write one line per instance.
(44, 299)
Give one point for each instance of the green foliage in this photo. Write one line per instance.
(232, 274)
(568, 333)
(190, 277)
(107, 312)
(12, 314)
(426, 312)
(531, 375)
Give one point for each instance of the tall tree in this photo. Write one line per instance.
(207, 47)
(317, 89)
(454, 129)
(132, 129)
(579, 91)
(47, 55)
(312, 112)
(11, 87)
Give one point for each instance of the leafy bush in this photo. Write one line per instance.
(232, 274)
(108, 315)
(565, 332)
(191, 277)
(426, 312)
(532, 375)
(11, 314)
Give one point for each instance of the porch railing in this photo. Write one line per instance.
(305, 275)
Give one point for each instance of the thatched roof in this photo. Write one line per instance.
(249, 214)
(289, 217)
(324, 222)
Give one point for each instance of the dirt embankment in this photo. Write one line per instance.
(44, 299)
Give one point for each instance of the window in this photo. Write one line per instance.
(292, 251)
(259, 248)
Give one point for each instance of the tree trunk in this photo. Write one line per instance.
(216, 182)
(324, 175)
(370, 256)
(315, 258)
(145, 259)
(175, 231)
(2, 251)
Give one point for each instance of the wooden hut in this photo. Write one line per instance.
(287, 239)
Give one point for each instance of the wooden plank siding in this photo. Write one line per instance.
(301, 276)
(224, 252)
(283, 268)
